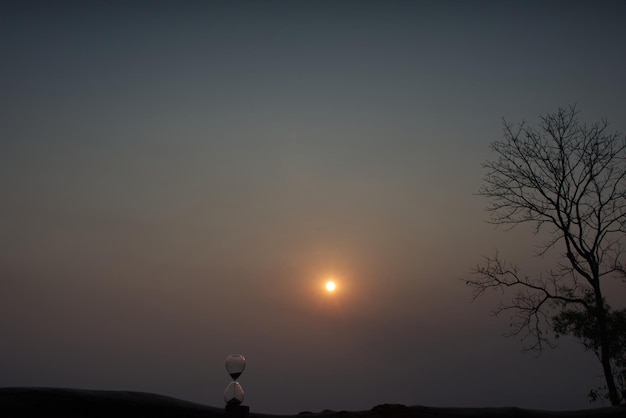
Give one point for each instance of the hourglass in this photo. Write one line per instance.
(233, 395)
(235, 365)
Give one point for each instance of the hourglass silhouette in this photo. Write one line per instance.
(233, 395)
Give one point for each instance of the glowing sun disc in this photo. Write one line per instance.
(331, 286)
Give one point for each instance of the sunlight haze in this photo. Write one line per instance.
(180, 178)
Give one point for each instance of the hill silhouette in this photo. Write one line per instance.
(75, 403)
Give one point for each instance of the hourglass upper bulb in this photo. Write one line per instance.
(235, 365)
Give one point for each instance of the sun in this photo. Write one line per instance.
(330, 286)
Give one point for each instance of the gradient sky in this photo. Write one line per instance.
(179, 178)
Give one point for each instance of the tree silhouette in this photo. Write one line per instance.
(568, 180)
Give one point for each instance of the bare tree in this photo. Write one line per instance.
(568, 180)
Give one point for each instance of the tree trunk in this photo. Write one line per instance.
(605, 353)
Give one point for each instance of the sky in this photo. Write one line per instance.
(179, 180)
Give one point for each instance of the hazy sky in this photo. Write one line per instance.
(180, 178)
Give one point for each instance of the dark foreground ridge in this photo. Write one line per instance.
(75, 403)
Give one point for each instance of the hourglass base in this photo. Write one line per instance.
(237, 411)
